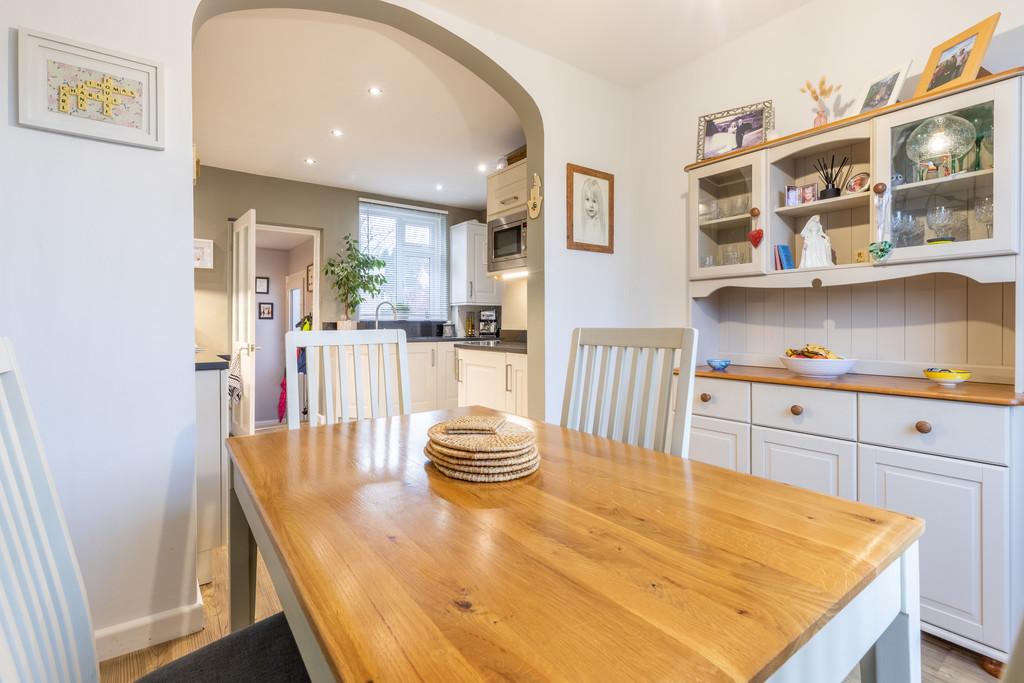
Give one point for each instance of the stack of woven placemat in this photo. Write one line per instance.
(482, 448)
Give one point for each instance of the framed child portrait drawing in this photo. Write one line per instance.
(590, 209)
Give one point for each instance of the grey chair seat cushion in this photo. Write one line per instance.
(264, 652)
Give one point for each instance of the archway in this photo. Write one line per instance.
(488, 71)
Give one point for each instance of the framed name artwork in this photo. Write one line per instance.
(78, 89)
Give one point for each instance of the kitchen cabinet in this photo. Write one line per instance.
(447, 377)
(212, 421)
(964, 550)
(817, 463)
(469, 282)
(422, 376)
(723, 443)
(493, 379)
(507, 190)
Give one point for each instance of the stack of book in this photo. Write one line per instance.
(783, 257)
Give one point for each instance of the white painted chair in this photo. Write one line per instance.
(619, 381)
(371, 364)
(44, 615)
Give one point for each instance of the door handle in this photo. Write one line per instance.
(458, 370)
(433, 358)
(508, 380)
(470, 289)
(509, 200)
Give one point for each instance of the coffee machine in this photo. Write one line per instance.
(488, 323)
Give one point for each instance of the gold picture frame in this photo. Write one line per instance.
(957, 61)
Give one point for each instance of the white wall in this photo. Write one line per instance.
(95, 292)
(513, 305)
(772, 62)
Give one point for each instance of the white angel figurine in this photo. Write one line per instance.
(817, 251)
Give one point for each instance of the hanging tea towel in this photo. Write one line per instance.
(235, 378)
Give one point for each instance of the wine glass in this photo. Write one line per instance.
(940, 220)
(904, 230)
(983, 212)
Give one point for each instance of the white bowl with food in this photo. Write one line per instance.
(814, 360)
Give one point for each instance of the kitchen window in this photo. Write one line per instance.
(413, 243)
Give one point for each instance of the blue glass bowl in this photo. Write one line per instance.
(718, 364)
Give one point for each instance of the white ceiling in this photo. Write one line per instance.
(284, 241)
(269, 85)
(628, 42)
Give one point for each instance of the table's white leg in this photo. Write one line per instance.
(896, 657)
(241, 563)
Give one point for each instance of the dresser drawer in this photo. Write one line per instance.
(813, 411)
(962, 430)
(722, 398)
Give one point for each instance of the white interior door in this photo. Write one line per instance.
(243, 320)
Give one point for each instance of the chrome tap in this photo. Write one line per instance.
(376, 315)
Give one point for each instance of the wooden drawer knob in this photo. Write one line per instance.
(755, 212)
(796, 409)
(705, 398)
(879, 188)
(923, 427)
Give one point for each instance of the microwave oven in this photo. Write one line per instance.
(506, 242)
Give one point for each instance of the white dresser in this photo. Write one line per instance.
(949, 462)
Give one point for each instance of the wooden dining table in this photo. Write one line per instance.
(610, 563)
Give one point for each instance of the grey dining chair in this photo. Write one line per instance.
(357, 373)
(46, 633)
(619, 383)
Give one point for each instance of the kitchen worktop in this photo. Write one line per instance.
(413, 340)
(210, 361)
(971, 392)
(500, 347)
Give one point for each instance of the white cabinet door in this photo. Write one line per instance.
(485, 290)
(720, 442)
(817, 463)
(507, 190)
(447, 378)
(964, 547)
(515, 395)
(482, 379)
(422, 376)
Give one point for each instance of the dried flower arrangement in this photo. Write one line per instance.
(820, 95)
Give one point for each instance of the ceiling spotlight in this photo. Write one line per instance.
(482, 168)
(309, 161)
(439, 187)
(375, 91)
(336, 132)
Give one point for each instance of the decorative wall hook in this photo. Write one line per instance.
(535, 200)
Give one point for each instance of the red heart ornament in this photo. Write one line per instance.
(755, 237)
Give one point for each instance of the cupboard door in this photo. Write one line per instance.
(817, 463)
(720, 442)
(515, 395)
(482, 379)
(484, 290)
(422, 376)
(447, 382)
(964, 548)
(507, 190)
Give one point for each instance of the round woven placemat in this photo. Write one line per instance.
(470, 455)
(511, 437)
(484, 467)
(486, 478)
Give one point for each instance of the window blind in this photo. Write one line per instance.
(414, 247)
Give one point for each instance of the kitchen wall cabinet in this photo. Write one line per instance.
(469, 282)
(817, 463)
(507, 190)
(964, 550)
(722, 443)
(494, 380)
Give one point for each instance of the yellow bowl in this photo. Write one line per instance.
(947, 377)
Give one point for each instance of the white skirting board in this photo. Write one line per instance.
(152, 629)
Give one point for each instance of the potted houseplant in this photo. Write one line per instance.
(355, 276)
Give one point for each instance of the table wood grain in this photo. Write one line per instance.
(610, 563)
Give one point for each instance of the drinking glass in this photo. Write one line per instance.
(940, 220)
(983, 212)
(905, 232)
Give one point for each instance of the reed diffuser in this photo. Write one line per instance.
(832, 177)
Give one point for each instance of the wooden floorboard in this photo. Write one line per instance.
(941, 662)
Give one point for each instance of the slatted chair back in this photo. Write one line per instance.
(619, 381)
(350, 374)
(45, 628)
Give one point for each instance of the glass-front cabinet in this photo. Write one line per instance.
(952, 167)
(727, 236)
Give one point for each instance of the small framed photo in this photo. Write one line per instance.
(202, 254)
(808, 193)
(883, 90)
(309, 278)
(858, 183)
(262, 285)
(266, 310)
(590, 209)
(792, 195)
(69, 87)
(733, 129)
(958, 60)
